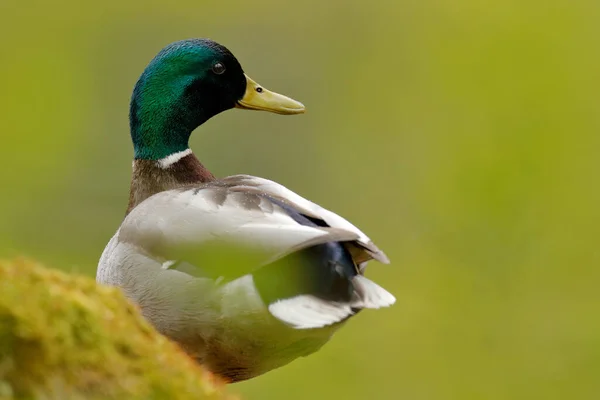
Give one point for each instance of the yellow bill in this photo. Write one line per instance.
(259, 98)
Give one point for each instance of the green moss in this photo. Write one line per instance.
(64, 337)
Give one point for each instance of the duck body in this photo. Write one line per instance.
(297, 286)
(226, 327)
(243, 273)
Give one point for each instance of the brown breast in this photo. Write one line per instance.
(149, 178)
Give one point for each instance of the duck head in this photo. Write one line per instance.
(187, 83)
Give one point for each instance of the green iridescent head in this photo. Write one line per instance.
(187, 83)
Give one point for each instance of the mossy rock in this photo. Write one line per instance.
(64, 337)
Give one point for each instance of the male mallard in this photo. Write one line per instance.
(243, 273)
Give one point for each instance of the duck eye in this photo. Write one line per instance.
(218, 68)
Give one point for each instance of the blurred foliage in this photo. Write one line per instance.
(62, 337)
(461, 135)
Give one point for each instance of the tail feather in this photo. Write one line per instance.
(370, 295)
(307, 311)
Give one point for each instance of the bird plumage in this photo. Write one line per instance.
(243, 273)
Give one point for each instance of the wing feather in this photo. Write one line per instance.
(307, 207)
(240, 211)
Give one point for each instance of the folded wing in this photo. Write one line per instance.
(240, 212)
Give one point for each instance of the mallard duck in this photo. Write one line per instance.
(243, 273)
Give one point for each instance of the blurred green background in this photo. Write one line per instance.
(461, 135)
